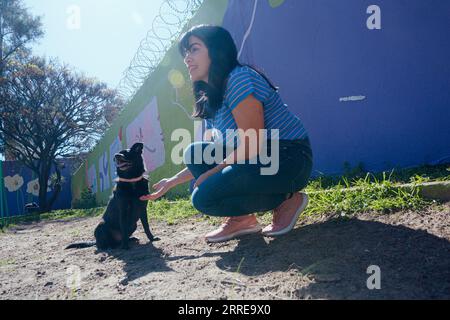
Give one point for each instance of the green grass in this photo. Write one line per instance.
(328, 195)
(171, 211)
(54, 215)
(370, 194)
(420, 174)
(4, 263)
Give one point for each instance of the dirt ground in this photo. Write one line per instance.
(323, 258)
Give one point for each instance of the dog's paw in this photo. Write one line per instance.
(155, 239)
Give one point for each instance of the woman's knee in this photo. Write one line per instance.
(200, 201)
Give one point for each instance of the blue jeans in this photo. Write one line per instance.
(241, 189)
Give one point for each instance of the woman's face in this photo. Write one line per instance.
(197, 59)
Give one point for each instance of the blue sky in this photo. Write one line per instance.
(108, 36)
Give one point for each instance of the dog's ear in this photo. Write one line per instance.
(137, 148)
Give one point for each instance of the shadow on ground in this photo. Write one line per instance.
(140, 260)
(337, 253)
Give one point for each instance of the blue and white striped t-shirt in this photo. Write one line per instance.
(242, 82)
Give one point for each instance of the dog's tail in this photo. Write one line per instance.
(81, 245)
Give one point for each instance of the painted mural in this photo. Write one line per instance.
(104, 177)
(114, 148)
(92, 178)
(20, 186)
(146, 128)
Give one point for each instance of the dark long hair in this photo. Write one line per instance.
(224, 58)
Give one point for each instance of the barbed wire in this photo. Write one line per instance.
(166, 28)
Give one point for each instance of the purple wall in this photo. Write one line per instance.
(319, 51)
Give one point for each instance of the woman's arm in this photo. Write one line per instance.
(163, 186)
(181, 177)
(249, 117)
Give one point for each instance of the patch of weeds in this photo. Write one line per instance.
(75, 233)
(72, 213)
(4, 263)
(87, 200)
(67, 214)
(420, 174)
(171, 211)
(370, 194)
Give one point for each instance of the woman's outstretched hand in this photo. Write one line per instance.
(161, 188)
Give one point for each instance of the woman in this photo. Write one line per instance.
(233, 96)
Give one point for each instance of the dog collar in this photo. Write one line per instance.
(129, 180)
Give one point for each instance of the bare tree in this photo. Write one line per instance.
(48, 111)
(18, 29)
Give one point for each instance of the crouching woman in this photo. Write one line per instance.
(238, 98)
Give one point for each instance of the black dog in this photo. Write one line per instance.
(124, 208)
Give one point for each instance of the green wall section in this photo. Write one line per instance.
(171, 115)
